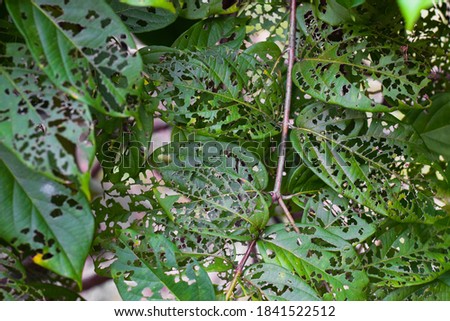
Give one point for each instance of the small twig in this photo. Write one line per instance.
(288, 215)
(287, 103)
(276, 194)
(239, 269)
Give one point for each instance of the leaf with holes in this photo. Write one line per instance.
(222, 181)
(13, 286)
(438, 290)
(405, 255)
(227, 31)
(45, 129)
(143, 19)
(274, 282)
(375, 161)
(430, 41)
(135, 205)
(124, 144)
(84, 49)
(145, 267)
(339, 215)
(44, 216)
(329, 264)
(218, 92)
(268, 20)
(343, 68)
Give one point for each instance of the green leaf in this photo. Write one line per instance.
(342, 67)
(146, 266)
(143, 19)
(408, 254)
(227, 31)
(84, 49)
(13, 285)
(429, 40)
(438, 290)
(166, 202)
(277, 283)
(163, 4)
(218, 92)
(327, 262)
(411, 10)
(433, 125)
(204, 9)
(334, 12)
(43, 127)
(350, 3)
(124, 144)
(268, 21)
(302, 180)
(376, 161)
(341, 216)
(45, 216)
(222, 182)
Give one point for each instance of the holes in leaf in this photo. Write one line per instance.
(74, 28)
(56, 213)
(54, 10)
(91, 15)
(105, 22)
(39, 237)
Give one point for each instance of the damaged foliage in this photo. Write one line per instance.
(352, 206)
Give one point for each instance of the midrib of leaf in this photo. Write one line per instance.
(16, 182)
(109, 84)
